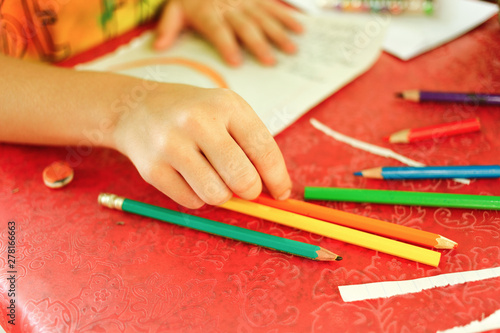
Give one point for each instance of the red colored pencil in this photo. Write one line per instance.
(435, 131)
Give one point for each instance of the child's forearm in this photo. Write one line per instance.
(195, 145)
(43, 104)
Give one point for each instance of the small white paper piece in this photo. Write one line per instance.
(359, 292)
(489, 323)
(371, 148)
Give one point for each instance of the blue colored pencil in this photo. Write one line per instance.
(432, 172)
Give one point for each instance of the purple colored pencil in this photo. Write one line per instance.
(453, 97)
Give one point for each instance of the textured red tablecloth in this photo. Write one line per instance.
(79, 270)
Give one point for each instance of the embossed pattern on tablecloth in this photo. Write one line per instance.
(79, 270)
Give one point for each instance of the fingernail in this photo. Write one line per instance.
(298, 29)
(290, 48)
(285, 195)
(235, 59)
(269, 60)
(157, 45)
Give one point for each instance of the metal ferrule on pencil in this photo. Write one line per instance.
(110, 200)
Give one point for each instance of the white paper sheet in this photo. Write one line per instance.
(411, 35)
(332, 53)
(359, 292)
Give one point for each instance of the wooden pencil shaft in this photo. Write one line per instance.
(452, 97)
(435, 131)
(471, 98)
(359, 222)
(222, 229)
(363, 223)
(216, 228)
(403, 198)
(341, 233)
(434, 172)
(400, 136)
(442, 130)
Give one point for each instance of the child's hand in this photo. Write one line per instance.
(199, 145)
(223, 22)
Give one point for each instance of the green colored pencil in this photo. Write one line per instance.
(217, 228)
(403, 198)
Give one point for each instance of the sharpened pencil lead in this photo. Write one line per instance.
(327, 255)
(445, 243)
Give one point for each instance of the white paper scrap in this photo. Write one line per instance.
(359, 292)
(489, 323)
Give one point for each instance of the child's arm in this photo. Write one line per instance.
(195, 145)
(256, 23)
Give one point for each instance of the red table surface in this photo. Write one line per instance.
(79, 270)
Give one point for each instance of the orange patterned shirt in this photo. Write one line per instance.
(52, 30)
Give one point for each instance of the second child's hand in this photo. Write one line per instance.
(256, 23)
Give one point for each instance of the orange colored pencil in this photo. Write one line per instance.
(382, 228)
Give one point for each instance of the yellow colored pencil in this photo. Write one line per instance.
(344, 234)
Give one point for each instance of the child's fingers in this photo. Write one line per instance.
(210, 24)
(172, 184)
(171, 23)
(283, 14)
(231, 163)
(258, 144)
(251, 35)
(200, 175)
(273, 29)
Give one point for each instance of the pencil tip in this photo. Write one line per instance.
(445, 243)
(326, 255)
(399, 95)
(358, 173)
